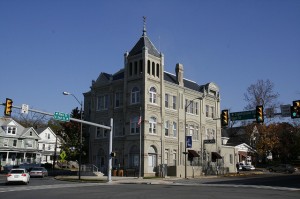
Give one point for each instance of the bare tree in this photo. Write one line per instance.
(35, 120)
(261, 93)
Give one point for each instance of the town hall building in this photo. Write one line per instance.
(162, 122)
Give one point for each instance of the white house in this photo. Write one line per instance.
(49, 144)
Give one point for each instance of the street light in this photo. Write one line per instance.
(80, 149)
(185, 141)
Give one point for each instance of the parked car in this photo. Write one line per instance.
(287, 168)
(248, 168)
(18, 175)
(38, 172)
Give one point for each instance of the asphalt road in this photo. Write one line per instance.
(144, 191)
(271, 186)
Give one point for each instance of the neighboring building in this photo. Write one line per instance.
(240, 144)
(142, 89)
(18, 145)
(49, 145)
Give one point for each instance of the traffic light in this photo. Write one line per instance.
(8, 107)
(224, 118)
(113, 154)
(295, 109)
(259, 114)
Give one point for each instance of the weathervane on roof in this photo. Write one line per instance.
(144, 29)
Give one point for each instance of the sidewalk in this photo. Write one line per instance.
(136, 180)
(119, 180)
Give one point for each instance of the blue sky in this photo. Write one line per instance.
(51, 46)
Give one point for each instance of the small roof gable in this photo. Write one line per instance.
(25, 133)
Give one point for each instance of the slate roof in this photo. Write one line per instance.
(143, 42)
(187, 83)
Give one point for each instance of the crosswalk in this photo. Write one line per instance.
(54, 186)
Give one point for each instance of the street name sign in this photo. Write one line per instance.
(244, 115)
(64, 117)
(285, 110)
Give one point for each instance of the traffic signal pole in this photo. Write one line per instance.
(88, 123)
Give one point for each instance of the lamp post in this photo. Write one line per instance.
(80, 149)
(185, 141)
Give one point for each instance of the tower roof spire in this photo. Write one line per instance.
(144, 26)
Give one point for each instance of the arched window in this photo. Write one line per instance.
(148, 66)
(135, 67)
(130, 69)
(153, 68)
(141, 66)
(135, 95)
(152, 93)
(152, 125)
(157, 70)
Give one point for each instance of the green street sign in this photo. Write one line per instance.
(64, 117)
(244, 115)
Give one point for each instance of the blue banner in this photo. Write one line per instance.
(189, 141)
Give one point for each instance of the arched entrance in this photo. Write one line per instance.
(152, 159)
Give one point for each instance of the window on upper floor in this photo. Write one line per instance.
(196, 133)
(135, 67)
(157, 70)
(148, 67)
(207, 111)
(130, 69)
(167, 100)
(210, 134)
(135, 95)
(30, 133)
(15, 143)
(5, 142)
(43, 147)
(49, 147)
(167, 132)
(48, 136)
(118, 99)
(29, 144)
(11, 130)
(102, 102)
(174, 129)
(152, 93)
(118, 129)
(101, 132)
(134, 125)
(192, 107)
(152, 125)
(141, 66)
(153, 68)
(212, 112)
(174, 102)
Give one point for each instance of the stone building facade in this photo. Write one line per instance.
(159, 108)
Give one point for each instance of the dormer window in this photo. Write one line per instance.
(11, 130)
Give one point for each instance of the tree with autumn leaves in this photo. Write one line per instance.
(282, 140)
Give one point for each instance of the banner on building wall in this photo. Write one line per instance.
(189, 141)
